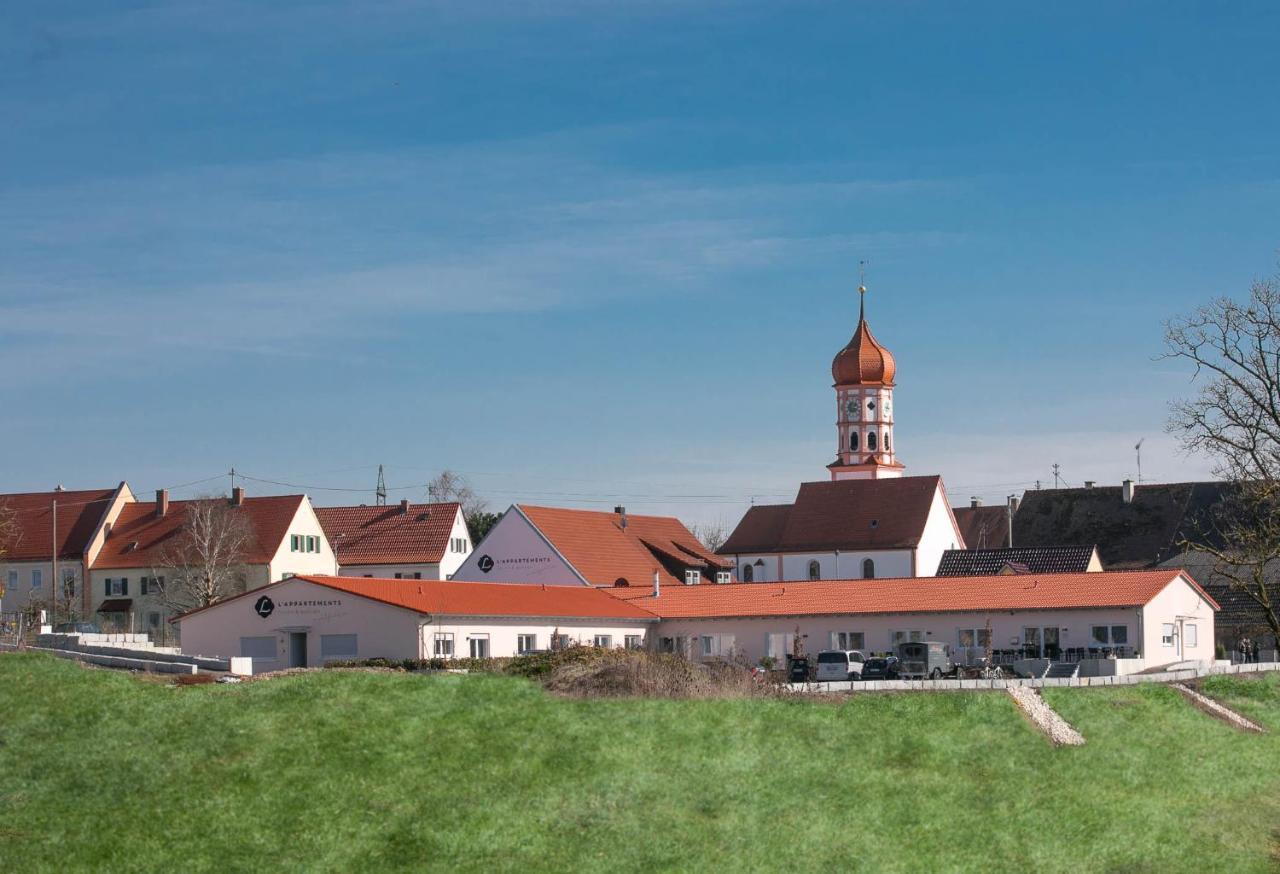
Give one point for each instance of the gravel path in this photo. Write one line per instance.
(1213, 708)
(1045, 717)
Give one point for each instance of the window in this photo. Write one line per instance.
(724, 577)
(293, 542)
(1110, 635)
(337, 646)
(666, 644)
(871, 442)
(117, 588)
(69, 586)
(633, 641)
(897, 637)
(853, 441)
(815, 570)
(886, 441)
(971, 637)
(13, 579)
(1189, 635)
(1166, 634)
(779, 646)
(708, 645)
(153, 619)
(848, 640)
(479, 646)
(560, 641)
(748, 573)
(444, 645)
(526, 643)
(692, 577)
(604, 641)
(37, 578)
(142, 585)
(868, 569)
(258, 648)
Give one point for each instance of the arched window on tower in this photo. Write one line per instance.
(868, 569)
(853, 442)
(748, 573)
(815, 570)
(871, 442)
(886, 441)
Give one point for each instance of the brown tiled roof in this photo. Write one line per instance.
(1036, 559)
(79, 514)
(438, 597)
(863, 360)
(389, 535)
(907, 595)
(269, 518)
(845, 514)
(602, 551)
(983, 527)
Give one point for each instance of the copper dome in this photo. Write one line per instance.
(863, 361)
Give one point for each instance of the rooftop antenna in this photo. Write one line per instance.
(233, 480)
(1138, 449)
(380, 496)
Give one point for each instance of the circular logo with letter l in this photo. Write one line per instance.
(485, 564)
(263, 606)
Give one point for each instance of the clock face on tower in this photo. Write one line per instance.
(851, 407)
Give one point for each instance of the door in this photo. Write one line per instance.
(1051, 650)
(297, 649)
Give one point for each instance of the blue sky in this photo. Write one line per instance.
(598, 252)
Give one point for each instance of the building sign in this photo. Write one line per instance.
(264, 606)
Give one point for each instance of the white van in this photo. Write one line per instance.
(839, 664)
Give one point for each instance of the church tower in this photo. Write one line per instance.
(863, 372)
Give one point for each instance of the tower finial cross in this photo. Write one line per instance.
(862, 290)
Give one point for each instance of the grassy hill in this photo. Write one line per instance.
(347, 771)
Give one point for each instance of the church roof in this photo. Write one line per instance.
(844, 514)
(863, 361)
(1026, 559)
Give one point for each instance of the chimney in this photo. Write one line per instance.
(162, 503)
(1127, 491)
(404, 505)
(1014, 501)
(657, 584)
(622, 511)
(975, 502)
(237, 496)
(1088, 484)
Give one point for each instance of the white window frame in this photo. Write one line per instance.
(633, 641)
(976, 635)
(1190, 634)
(1168, 631)
(692, 577)
(849, 640)
(723, 577)
(115, 585)
(908, 635)
(526, 643)
(442, 647)
(37, 578)
(603, 641)
(478, 642)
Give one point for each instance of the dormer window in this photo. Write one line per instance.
(692, 577)
(724, 577)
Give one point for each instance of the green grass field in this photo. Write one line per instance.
(344, 771)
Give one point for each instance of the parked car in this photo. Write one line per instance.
(835, 665)
(880, 668)
(76, 628)
(925, 658)
(799, 670)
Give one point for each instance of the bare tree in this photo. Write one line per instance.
(711, 534)
(205, 562)
(1235, 420)
(450, 486)
(9, 531)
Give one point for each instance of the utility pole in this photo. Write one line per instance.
(53, 583)
(233, 480)
(1056, 478)
(1138, 449)
(380, 496)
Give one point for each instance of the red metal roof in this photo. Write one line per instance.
(389, 535)
(602, 551)
(442, 598)
(908, 595)
(268, 516)
(79, 514)
(844, 514)
(863, 361)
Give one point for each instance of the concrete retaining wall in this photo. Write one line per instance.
(1073, 682)
(111, 661)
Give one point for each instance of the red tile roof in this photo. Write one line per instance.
(79, 514)
(863, 360)
(441, 598)
(389, 535)
(845, 514)
(908, 595)
(268, 516)
(602, 551)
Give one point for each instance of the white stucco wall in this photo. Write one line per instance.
(381, 630)
(1179, 605)
(940, 534)
(286, 562)
(520, 554)
(503, 634)
(451, 561)
(19, 593)
(389, 571)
